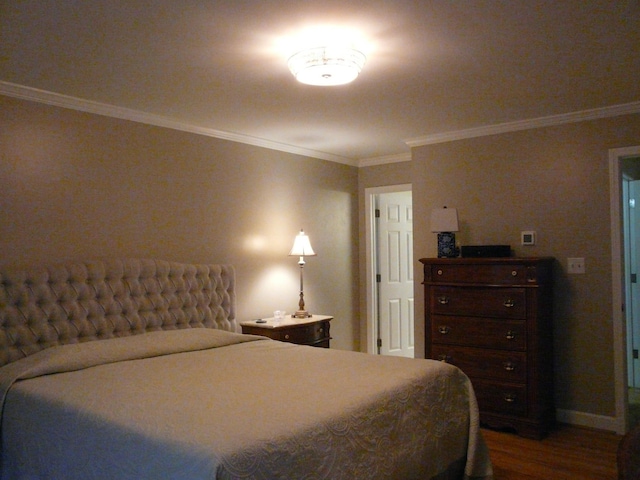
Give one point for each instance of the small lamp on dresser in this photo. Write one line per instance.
(444, 222)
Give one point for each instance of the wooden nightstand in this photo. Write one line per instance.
(312, 331)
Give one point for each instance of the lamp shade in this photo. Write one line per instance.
(302, 246)
(444, 220)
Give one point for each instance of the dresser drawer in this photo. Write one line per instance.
(479, 301)
(497, 365)
(494, 333)
(500, 398)
(508, 274)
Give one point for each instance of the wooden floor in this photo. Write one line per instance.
(569, 452)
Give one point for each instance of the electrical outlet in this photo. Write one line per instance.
(575, 265)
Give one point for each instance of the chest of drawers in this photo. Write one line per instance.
(492, 317)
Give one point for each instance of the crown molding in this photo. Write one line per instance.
(396, 158)
(553, 120)
(74, 103)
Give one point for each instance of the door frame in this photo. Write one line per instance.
(631, 188)
(371, 324)
(616, 156)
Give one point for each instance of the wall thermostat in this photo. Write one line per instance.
(528, 238)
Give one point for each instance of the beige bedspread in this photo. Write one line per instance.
(208, 404)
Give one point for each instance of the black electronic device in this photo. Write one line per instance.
(485, 251)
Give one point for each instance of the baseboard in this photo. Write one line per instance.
(590, 420)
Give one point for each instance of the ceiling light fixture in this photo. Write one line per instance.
(327, 66)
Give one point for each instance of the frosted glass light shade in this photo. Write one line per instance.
(327, 66)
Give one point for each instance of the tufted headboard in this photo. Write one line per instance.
(78, 302)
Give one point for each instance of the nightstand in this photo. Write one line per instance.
(313, 330)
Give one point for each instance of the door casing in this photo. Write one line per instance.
(618, 273)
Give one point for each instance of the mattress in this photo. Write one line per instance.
(209, 404)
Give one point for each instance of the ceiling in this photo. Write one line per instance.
(434, 68)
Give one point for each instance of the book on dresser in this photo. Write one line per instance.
(492, 318)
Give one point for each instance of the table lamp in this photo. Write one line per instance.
(444, 221)
(301, 248)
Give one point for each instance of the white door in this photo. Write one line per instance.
(395, 274)
(633, 304)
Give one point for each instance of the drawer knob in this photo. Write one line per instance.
(508, 303)
(444, 358)
(443, 300)
(509, 366)
(443, 329)
(514, 273)
(511, 335)
(286, 336)
(439, 272)
(510, 397)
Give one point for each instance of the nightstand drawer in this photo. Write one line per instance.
(479, 301)
(306, 334)
(313, 330)
(497, 365)
(494, 333)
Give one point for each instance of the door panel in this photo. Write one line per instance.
(633, 319)
(395, 267)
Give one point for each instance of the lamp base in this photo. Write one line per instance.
(301, 314)
(447, 245)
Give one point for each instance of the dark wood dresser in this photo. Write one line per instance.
(492, 317)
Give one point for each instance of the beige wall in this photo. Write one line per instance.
(79, 186)
(554, 181)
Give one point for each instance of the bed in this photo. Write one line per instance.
(133, 369)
